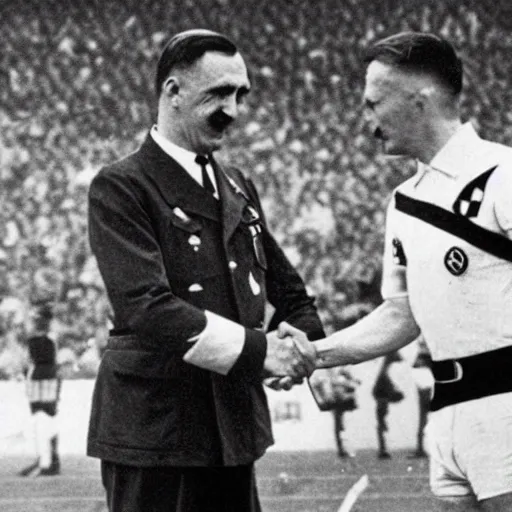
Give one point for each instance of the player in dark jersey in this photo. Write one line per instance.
(43, 389)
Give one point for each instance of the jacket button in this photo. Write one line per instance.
(232, 265)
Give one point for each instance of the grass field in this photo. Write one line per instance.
(312, 482)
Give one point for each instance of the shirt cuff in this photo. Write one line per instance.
(218, 346)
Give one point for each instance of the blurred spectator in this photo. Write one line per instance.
(12, 329)
(335, 389)
(60, 121)
(344, 389)
(424, 380)
(385, 392)
(43, 390)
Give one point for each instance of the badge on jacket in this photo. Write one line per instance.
(251, 217)
(195, 242)
(255, 287)
(183, 221)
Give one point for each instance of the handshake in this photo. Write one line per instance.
(290, 357)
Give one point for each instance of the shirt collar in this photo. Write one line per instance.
(186, 158)
(455, 156)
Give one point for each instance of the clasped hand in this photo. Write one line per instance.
(290, 357)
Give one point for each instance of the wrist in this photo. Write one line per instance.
(329, 354)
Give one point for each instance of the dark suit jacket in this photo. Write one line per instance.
(168, 251)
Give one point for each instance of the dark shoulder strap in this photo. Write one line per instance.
(457, 225)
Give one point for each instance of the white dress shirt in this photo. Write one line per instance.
(186, 158)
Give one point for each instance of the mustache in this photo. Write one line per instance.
(220, 120)
(378, 134)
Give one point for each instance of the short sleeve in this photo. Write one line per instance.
(394, 266)
(502, 190)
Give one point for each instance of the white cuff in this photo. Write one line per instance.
(218, 346)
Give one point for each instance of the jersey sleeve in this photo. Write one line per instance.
(394, 266)
(502, 187)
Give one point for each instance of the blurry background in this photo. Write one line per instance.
(76, 92)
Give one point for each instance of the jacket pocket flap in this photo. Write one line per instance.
(151, 365)
(183, 221)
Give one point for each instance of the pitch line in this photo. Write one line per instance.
(353, 494)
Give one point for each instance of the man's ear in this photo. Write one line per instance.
(171, 88)
(424, 97)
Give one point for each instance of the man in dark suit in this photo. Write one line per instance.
(179, 413)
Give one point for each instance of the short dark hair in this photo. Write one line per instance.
(423, 53)
(185, 48)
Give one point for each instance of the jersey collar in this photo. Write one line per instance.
(456, 156)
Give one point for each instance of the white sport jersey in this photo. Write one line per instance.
(460, 294)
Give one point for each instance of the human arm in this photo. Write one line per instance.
(293, 306)
(389, 327)
(500, 185)
(286, 290)
(146, 264)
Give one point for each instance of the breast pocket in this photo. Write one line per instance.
(193, 255)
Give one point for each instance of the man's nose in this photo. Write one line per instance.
(367, 116)
(231, 107)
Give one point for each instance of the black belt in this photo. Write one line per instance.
(472, 377)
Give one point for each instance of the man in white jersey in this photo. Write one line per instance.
(447, 268)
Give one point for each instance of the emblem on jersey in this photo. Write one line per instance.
(398, 253)
(456, 261)
(470, 199)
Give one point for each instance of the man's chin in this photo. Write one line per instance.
(390, 150)
(393, 154)
(213, 142)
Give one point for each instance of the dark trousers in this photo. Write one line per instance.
(189, 489)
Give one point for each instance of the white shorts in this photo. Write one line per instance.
(470, 447)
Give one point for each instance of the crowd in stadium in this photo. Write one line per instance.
(76, 92)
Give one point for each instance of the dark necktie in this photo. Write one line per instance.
(202, 161)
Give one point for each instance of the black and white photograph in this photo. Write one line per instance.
(256, 256)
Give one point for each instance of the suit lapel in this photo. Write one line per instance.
(176, 186)
(232, 198)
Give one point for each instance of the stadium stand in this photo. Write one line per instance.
(76, 92)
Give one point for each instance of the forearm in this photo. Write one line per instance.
(288, 294)
(389, 327)
(227, 347)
